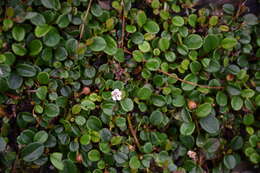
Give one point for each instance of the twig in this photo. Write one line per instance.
(127, 51)
(133, 132)
(241, 5)
(190, 83)
(123, 25)
(84, 20)
(31, 91)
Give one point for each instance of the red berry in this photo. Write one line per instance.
(86, 90)
(192, 104)
(79, 158)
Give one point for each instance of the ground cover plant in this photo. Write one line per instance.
(108, 86)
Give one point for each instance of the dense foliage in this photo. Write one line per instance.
(128, 86)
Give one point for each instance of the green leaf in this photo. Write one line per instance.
(187, 128)
(98, 44)
(211, 145)
(94, 155)
(85, 139)
(94, 123)
(151, 27)
(32, 152)
(14, 81)
(247, 93)
(40, 136)
(210, 124)
(178, 100)
(141, 18)
(2, 144)
(41, 92)
(191, 78)
(164, 44)
(127, 104)
(63, 21)
(192, 20)
(158, 101)
(229, 43)
(170, 56)
(156, 117)
(119, 55)
(144, 93)
(248, 119)
(5, 70)
(211, 42)
(250, 19)
(134, 162)
(69, 167)
(80, 120)
(35, 47)
(96, 10)
(18, 33)
(111, 45)
(38, 19)
(221, 98)
(52, 38)
(153, 64)
(144, 47)
(52, 110)
(43, 77)
(42, 30)
(25, 70)
(193, 41)
(204, 110)
(178, 21)
(230, 161)
(51, 4)
(257, 100)
(56, 160)
(19, 49)
(236, 103)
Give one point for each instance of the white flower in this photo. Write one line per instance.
(192, 155)
(1, 72)
(116, 94)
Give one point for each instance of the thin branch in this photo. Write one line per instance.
(191, 83)
(133, 132)
(123, 25)
(127, 51)
(82, 28)
(241, 5)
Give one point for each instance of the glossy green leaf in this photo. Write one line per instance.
(151, 27)
(41, 92)
(236, 103)
(187, 128)
(56, 160)
(178, 21)
(127, 104)
(98, 44)
(210, 124)
(42, 30)
(25, 70)
(203, 110)
(18, 33)
(193, 41)
(32, 152)
(156, 117)
(229, 42)
(52, 110)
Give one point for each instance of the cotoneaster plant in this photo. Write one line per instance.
(108, 86)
